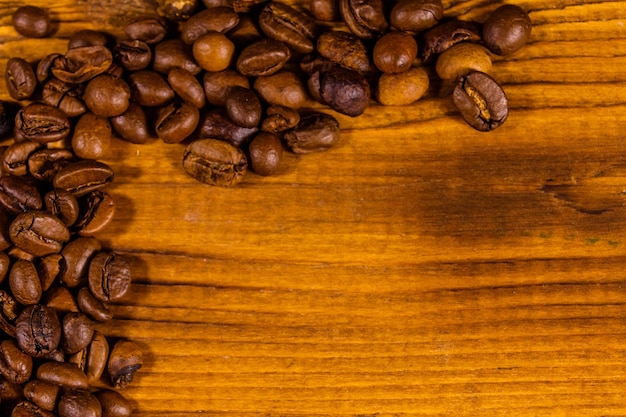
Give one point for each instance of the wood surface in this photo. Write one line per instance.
(420, 268)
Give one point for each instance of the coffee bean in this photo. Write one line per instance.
(96, 210)
(87, 37)
(344, 49)
(263, 57)
(316, 132)
(44, 164)
(177, 121)
(79, 403)
(15, 365)
(213, 51)
(43, 394)
(32, 21)
(150, 30)
(216, 19)
(9, 310)
(282, 89)
(403, 88)
(345, 91)
(243, 107)
(217, 84)
(125, 359)
(177, 10)
(38, 331)
(187, 87)
(461, 59)
(481, 101)
(107, 96)
(286, 24)
(49, 268)
(91, 306)
(395, 52)
(216, 124)
(77, 332)
(447, 34)
(19, 194)
(173, 53)
(325, 10)
(83, 177)
(66, 97)
(149, 88)
(92, 136)
(366, 19)
(215, 162)
(133, 55)
(77, 255)
(507, 29)
(113, 404)
(38, 233)
(280, 118)
(63, 374)
(43, 71)
(109, 276)
(97, 357)
(414, 16)
(41, 123)
(5, 264)
(29, 409)
(132, 125)
(15, 157)
(24, 282)
(266, 152)
(20, 78)
(79, 65)
(60, 299)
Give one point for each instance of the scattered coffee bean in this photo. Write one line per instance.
(215, 162)
(481, 101)
(32, 21)
(507, 29)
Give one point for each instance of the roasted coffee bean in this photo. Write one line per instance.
(403, 88)
(63, 374)
(83, 176)
(344, 49)
(49, 268)
(279, 119)
(38, 232)
(77, 332)
(109, 277)
(132, 125)
(149, 88)
(395, 52)
(15, 365)
(481, 101)
(150, 30)
(92, 136)
(345, 91)
(61, 300)
(325, 10)
(20, 78)
(107, 96)
(9, 310)
(77, 255)
(29, 409)
(284, 23)
(215, 162)
(414, 16)
(97, 357)
(365, 18)
(91, 306)
(217, 84)
(113, 404)
(213, 51)
(44, 164)
(216, 124)
(79, 403)
(133, 55)
(32, 21)
(96, 210)
(177, 121)
(243, 107)
(216, 19)
(87, 37)
(7, 118)
(462, 59)
(5, 264)
(282, 89)
(25, 283)
(80, 65)
(186, 86)
(266, 152)
(174, 53)
(38, 331)
(43, 394)
(263, 57)
(41, 123)
(316, 132)
(15, 157)
(125, 359)
(507, 29)
(177, 10)
(67, 97)
(43, 71)
(447, 34)
(19, 194)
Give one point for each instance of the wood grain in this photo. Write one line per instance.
(419, 268)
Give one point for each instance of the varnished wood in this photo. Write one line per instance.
(420, 268)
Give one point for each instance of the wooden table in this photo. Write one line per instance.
(418, 268)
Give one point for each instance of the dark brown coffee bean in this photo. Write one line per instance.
(279, 119)
(91, 306)
(177, 122)
(364, 18)
(15, 157)
(213, 51)
(132, 125)
(19, 194)
(125, 359)
(217, 84)
(80, 65)
(325, 10)
(215, 19)
(38, 233)
(87, 37)
(150, 30)
(284, 23)
(113, 404)
(215, 162)
(316, 132)
(149, 88)
(20, 78)
(266, 152)
(44, 164)
(29, 409)
(447, 34)
(77, 255)
(282, 89)
(65, 96)
(507, 29)
(413, 16)
(77, 332)
(9, 310)
(345, 91)
(49, 268)
(173, 53)
(92, 136)
(96, 210)
(43, 71)
(481, 101)
(63, 374)
(32, 21)
(62, 204)
(25, 283)
(15, 365)
(263, 57)
(109, 277)
(216, 124)
(395, 52)
(83, 177)
(43, 394)
(41, 123)
(243, 107)
(133, 55)
(38, 331)
(186, 86)
(107, 96)
(79, 403)
(61, 300)
(344, 49)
